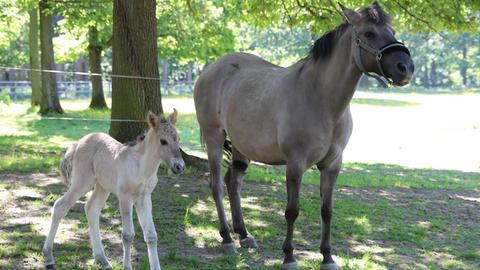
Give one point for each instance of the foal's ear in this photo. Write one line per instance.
(152, 120)
(172, 118)
(352, 16)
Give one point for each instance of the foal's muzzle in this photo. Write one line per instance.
(178, 166)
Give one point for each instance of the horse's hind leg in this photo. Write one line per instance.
(234, 180)
(214, 138)
(93, 208)
(60, 210)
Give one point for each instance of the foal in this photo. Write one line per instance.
(130, 171)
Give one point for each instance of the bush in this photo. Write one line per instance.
(5, 99)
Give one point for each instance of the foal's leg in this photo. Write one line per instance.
(295, 170)
(234, 181)
(327, 184)
(60, 210)
(144, 211)
(214, 140)
(93, 208)
(126, 206)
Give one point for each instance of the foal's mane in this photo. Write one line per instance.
(323, 46)
(137, 140)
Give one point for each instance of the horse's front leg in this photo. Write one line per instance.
(295, 170)
(143, 206)
(126, 206)
(327, 184)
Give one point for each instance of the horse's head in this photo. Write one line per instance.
(375, 49)
(165, 140)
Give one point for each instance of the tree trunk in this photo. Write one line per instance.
(134, 53)
(433, 73)
(49, 101)
(35, 76)
(95, 62)
(464, 65)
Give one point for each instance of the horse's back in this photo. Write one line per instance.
(94, 156)
(225, 75)
(222, 72)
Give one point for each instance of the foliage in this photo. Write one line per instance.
(193, 31)
(319, 16)
(76, 19)
(13, 34)
(281, 45)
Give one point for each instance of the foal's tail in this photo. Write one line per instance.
(66, 165)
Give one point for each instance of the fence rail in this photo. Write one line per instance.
(22, 90)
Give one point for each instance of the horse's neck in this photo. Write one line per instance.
(336, 78)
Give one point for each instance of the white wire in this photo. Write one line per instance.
(81, 73)
(91, 119)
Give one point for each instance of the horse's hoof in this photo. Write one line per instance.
(50, 267)
(229, 247)
(329, 266)
(290, 266)
(248, 242)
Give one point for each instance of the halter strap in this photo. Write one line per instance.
(378, 53)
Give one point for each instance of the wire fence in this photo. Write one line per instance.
(75, 89)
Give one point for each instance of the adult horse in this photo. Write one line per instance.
(298, 116)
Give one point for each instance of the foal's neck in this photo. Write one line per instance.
(148, 157)
(337, 76)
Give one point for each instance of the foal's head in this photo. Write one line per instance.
(374, 45)
(164, 139)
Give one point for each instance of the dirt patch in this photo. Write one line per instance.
(182, 205)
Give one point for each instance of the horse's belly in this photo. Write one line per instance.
(259, 148)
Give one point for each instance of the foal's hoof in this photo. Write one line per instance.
(329, 266)
(290, 266)
(229, 247)
(248, 242)
(50, 267)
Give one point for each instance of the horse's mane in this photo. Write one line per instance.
(323, 46)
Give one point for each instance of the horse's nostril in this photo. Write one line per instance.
(401, 67)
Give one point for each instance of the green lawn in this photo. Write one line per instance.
(385, 216)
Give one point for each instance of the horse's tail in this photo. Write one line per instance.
(227, 150)
(66, 165)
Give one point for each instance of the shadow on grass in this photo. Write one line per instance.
(372, 228)
(37, 145)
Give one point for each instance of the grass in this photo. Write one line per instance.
(383, 102)
(385, 216)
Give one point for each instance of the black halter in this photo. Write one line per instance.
(378, 53)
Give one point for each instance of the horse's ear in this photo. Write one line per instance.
(172, 118)
(352, 16)
(152, 119)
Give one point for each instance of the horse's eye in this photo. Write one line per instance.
(163, 142)
(369, 34)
